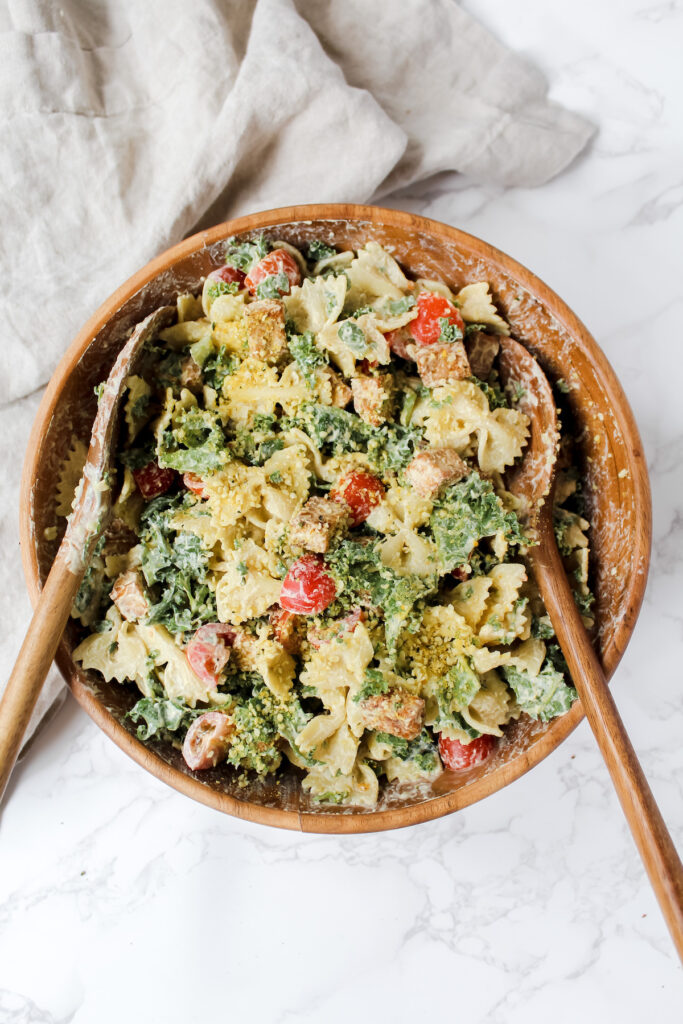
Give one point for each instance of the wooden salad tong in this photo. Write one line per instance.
(533, 482)
(89, 518)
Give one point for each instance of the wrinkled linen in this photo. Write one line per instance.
(125, 126)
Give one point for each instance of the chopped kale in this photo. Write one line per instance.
(396, 307)
(218, 366)
(361, 311)
(139, 457)
(389, 447)
(448, 332)
(494, 393)
(542, 628)
(307, 355)
(243, 255)
(161, 717)
(195, 444)
(544, 696)
(317, 251)
(273, 286)
(256, 445)
(454, 692)
(363, 580)
(465, 513)
(422, 750)
(584, 602)
(374, 683)
(218, 287)
(472, 328)
(353, 337)
(175, 567)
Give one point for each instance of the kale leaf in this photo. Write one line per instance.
(374, 683)
(494, 393)
(196, 444)
(544, 696)
(455, 691)
(243, 255)
(161, 716)
(307, 355)
(466, 512)
(448, 332)
(317, 251)
(218, 366)
(175, 566)
(353, 337)
(422, 750)
(273, 286)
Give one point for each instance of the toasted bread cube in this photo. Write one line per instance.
(341, 392)
(266, 330)
(482, 349)
(287, 629)
(118, 537)
(428, 471)
(398, 712)
(317, 523)
(442, 364)
(373, 397)
(191, 374)
(128, 594)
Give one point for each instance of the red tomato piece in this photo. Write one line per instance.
(207, 741)
(276, 262)
(458, 756)
(152, 480)
(431, 308)
(208, 652)
(308, 588)
(194, 483)
(361, 491)
(231, 275)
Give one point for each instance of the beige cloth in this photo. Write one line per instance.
(126, 125)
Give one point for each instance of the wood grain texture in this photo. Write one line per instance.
(532, 482)
(88, 519)
(565, 349)
(650, 833)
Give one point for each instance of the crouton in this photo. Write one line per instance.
(128, 594)
(286, 627)
(341, 392)
(428, 471)
(266, 330)
(442, 364)
(482, 349)
(118, 537)
(397, 712)
(373, 397)
(191, 374)
(317, 523)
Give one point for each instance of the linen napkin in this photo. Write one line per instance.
(124, 126)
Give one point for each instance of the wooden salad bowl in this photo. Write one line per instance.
(612, 464)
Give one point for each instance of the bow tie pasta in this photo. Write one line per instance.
(312, 557)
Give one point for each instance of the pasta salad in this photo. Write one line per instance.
(313, 557)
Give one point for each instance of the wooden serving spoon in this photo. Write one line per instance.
(533, 483)
(86, 523)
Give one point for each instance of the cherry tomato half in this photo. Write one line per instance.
(458, 756)
(231, 275)
(194, 483)
(431, 308)
(361, 492)
(207, 741)
(308, 588)
(152, 480)
(208, 652)
(276, 262)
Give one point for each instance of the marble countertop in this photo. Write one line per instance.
(122, 900)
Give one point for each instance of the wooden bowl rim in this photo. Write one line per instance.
(320, 822)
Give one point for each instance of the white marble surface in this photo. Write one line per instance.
(121, 900)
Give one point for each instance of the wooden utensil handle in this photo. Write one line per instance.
(34, 660)
(654, 843)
